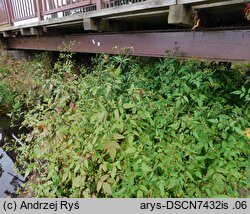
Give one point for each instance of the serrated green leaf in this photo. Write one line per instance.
(117, 115)
(186, 99)
(86, 164)
(130, 139)
(189, 175)
(118, 136)
(107, 188)
(236, 92)
(130, 150)
(238, 130)
(173, 183)
(195, 135)
(210, 172)
(103, 167)
(178, 103)
(128, 105)
(104, 177)
(235, 173)
(145, 167)
(213, 120)
(139, 194)
(200, 102)
(99, 186)
(78, 182)
(101, 116)
(113, 172)
(112, 153)
(162, 189)
(198, 174)
(143, 188)
(223, 171)
(108, 89)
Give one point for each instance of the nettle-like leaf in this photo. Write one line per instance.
(107, 188)
(128, 105)
(112, 148)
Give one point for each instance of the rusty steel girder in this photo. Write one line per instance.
(229, 45)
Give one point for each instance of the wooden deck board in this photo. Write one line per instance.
(124, 10)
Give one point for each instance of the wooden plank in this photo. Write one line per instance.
(140, 15)
(180, 15)
(215, 45)
(218, 4)
(73, 23)
(146, 6)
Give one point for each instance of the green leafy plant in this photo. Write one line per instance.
(20, 81)
(132, 127)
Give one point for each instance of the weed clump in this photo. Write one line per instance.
(139, 128)
(21, 81)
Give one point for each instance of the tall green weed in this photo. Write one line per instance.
(21, 80)
(136, 128)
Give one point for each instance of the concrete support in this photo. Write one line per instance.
(89, 24)
(25, 31)
(19, 54)
(180, 15)
(6, 34)
(34, 31)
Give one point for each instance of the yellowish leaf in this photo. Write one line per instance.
(118, 136)
(107, 188)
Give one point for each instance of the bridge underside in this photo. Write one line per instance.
(227, 45)
(216, 30)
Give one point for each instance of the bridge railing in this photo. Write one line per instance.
(16, 10)
(3, 13)
(55, 6)
(23, 9)
(114, 3)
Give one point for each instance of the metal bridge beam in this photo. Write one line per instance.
(230, 45)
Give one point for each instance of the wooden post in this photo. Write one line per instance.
(52, 5)
(98, 4)
(89, 24)
(9, 11)
(180, 15)
(39, 9)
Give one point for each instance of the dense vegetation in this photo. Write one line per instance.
(131, 127)
(20, 81)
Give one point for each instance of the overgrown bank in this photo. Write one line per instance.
(129, 127)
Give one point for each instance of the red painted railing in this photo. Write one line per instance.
(54, 6)
(3, 13)
(24, 9)
(17, 10)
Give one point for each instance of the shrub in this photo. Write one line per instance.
(20, 81)
(136, 128)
